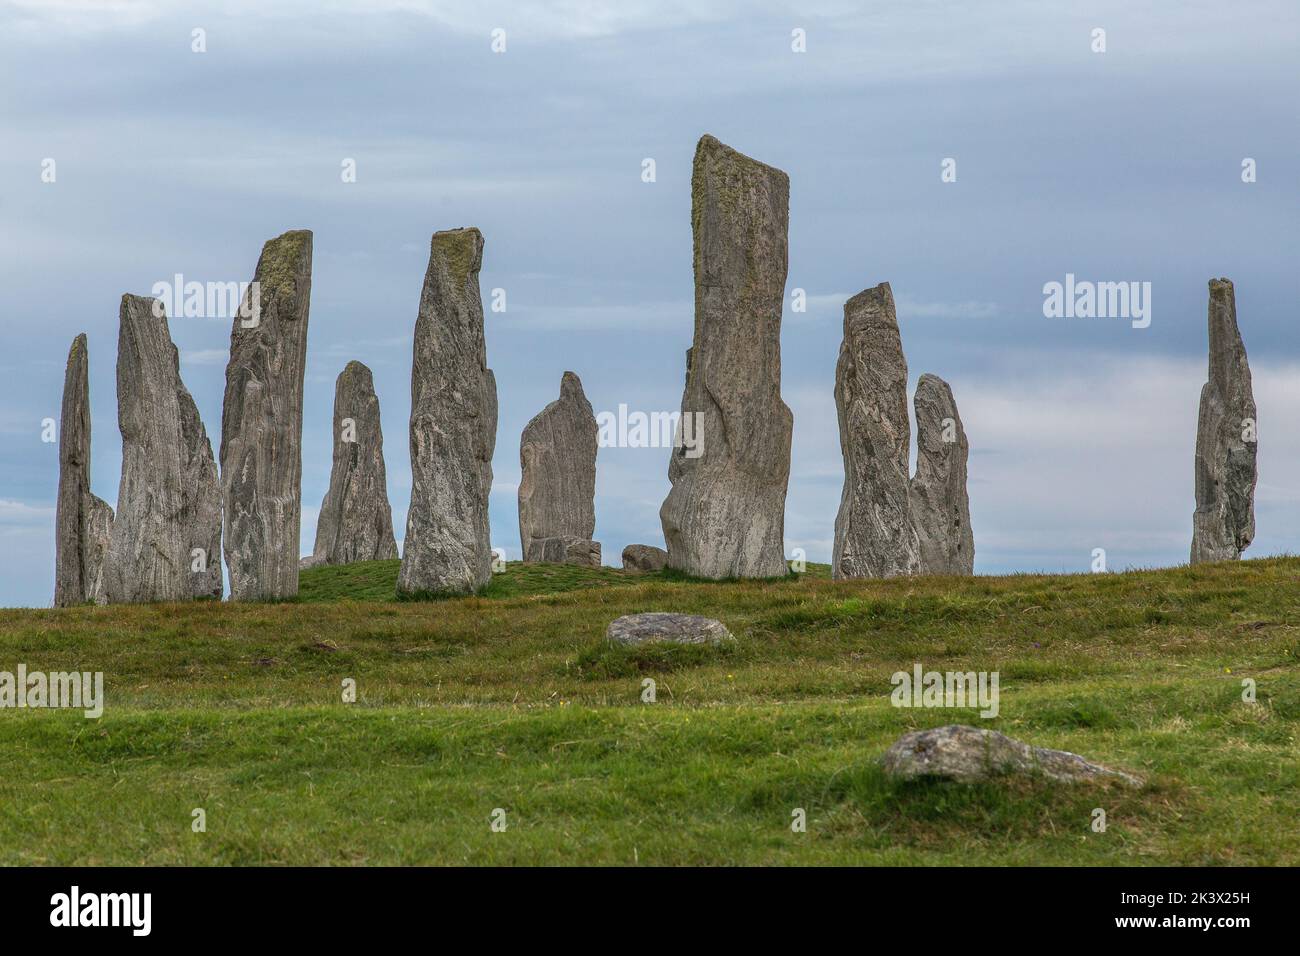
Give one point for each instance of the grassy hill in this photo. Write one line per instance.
(511, 700)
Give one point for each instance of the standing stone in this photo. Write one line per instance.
(874, 537)
(1224, 522)
(557, 489)
(167, 535)
(356, 522)
(939, 507)
(453, 427)
(725, 514)
(261, 423)
(82, 521)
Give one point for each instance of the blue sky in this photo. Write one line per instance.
(1123, 165)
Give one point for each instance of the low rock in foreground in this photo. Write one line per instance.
(970, 755)
(657, 627)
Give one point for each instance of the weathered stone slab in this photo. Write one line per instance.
(657, 627)
(940, 508)
(356, 521)
(970, 755)
(874, 537)
(566, 550)
(166, 537)
(557, 488)
(261, 423)
(1223, 524)
(83, 522)
(644, 558)
(725, 514)
(453, 427)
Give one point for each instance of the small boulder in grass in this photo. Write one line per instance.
(644, 558)
(970, 755)
(657, 627)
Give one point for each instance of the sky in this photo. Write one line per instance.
(1122, 165)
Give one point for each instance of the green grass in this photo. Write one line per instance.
(511, 700)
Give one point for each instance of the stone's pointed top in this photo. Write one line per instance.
(929, 380)
(355, 370)
(571, 386)
(77, 351)
(710, 146)
(1221, 286)
(874, 303)
(461, 249)
(283, 259)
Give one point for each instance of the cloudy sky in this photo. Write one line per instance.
(1117, 166)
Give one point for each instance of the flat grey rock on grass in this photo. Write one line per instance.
(657, 627)
(970, 755)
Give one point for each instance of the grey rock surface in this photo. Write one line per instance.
(657, 627)
(937, 498)
(874, 537)
(1223, 524)
(725, 514)
(644, 557)
(261, 424)
(356, 520)
(970, 755)
(564, 550)
(557, 487)
(447, 549)
(166, 540)
(83, 522)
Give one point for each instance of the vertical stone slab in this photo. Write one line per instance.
(83, 522)
(448, 549)
(261, 423)
(356, 521)
(874, 537)
(725, 514)
(1223, 524)
(557, 487)
(167, 534)
(940, 508)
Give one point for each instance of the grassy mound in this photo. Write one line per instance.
(510, 700)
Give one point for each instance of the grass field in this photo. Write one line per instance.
(510, 700)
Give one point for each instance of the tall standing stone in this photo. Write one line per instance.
(1224, 522)
(167, 534)
(937, 498)
(557, 488)
(448, 547)
(261, 423)
(356, 522)
(874, 537)
(725, 514)
(83, 522)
